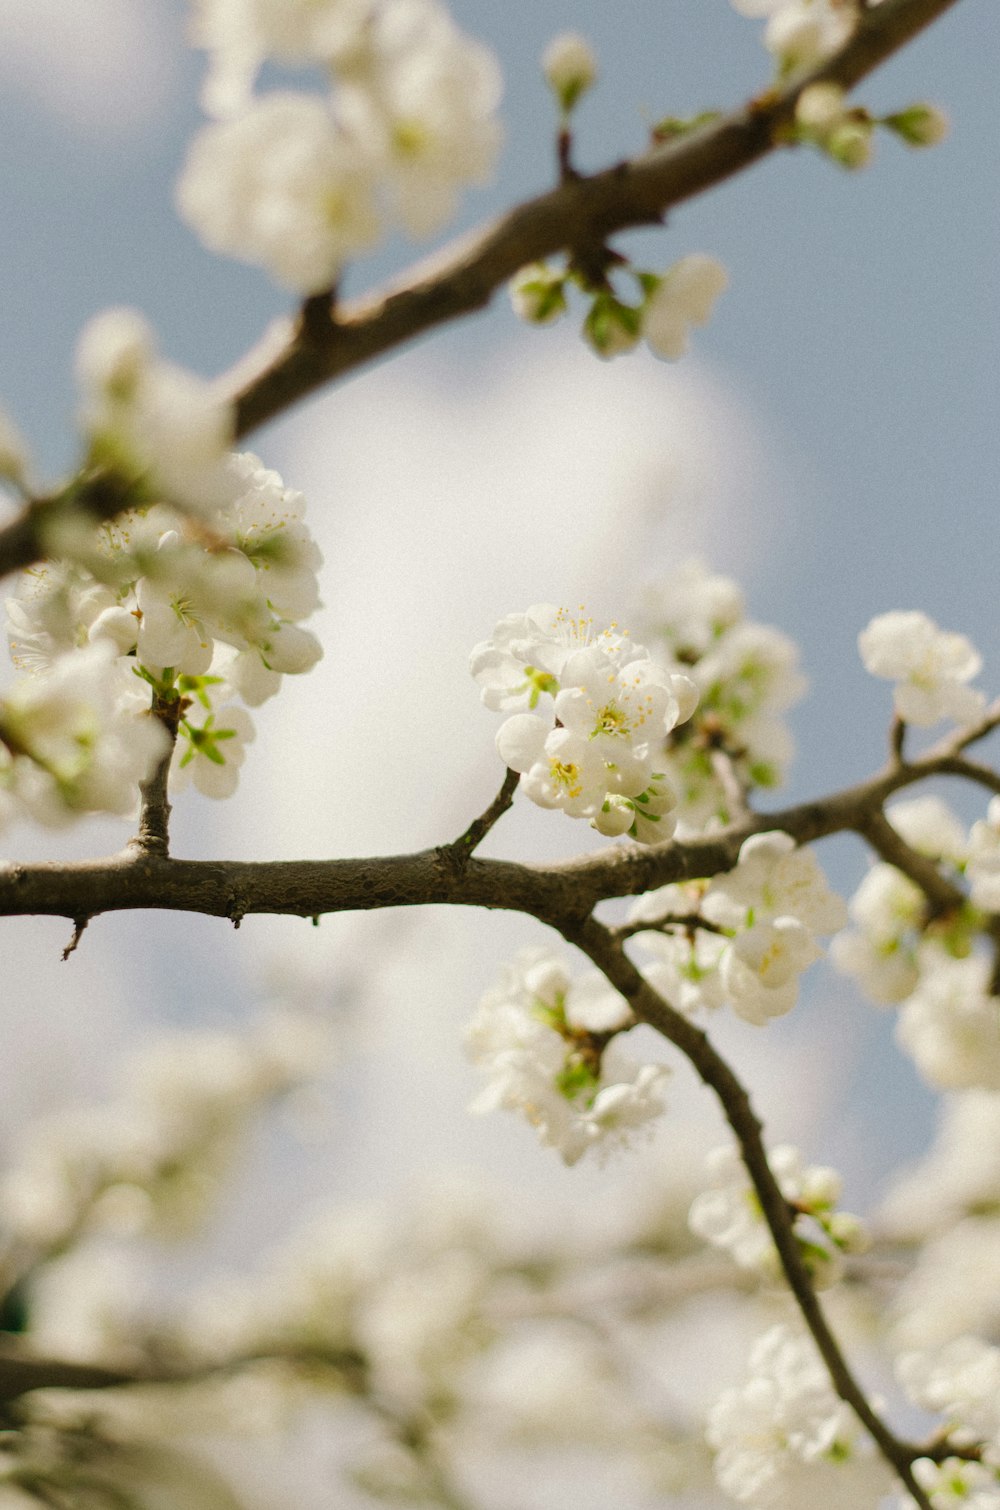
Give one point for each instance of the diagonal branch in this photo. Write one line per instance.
(464, 276)
(607, 954)
(299, 355)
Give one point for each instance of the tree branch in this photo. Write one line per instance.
(562, 892)
(597, 943)
(301, 354)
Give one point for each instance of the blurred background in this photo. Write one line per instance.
(831, 443)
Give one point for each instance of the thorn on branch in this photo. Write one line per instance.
(79, 924)
(317, 318)
(897, 736)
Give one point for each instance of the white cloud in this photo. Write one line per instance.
(444, 499)
(106, 66)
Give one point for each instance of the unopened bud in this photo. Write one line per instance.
(611, 326)
(538, 294)
(919, 126)
(570, 68)
(820, 107)
(850, 144)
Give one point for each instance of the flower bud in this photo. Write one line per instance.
(849, 1233)
(820, 107)
(850, 144)
(570, 68)
(919, 125)
(13, 451)
(538, 294)
(611, 326)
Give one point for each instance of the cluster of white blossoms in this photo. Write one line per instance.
(183, 611)
(747, 675)
(903, 953)
(744, 937)
(728, 1215)
(299, 183)
(550, 1048)
(800, 33)
(930, 667)
(633, 739)
(157, 427)
(597, 712)
(784, 1440)
(76, 737)
(961, 1383)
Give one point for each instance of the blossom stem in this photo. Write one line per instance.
(153, 836)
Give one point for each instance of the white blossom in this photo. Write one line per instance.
(76, 738)
(211, 752)
(283, 186)
(773, 878)
(783, 1440)
(593, 750)
(746, 674)
(426, 105)
(800, 33)
(152, 1156)
(241, 34)
(929, 826)
(728, 1215)
(956, 1484)
(162, 425)
(950, 1025)
(881, 952)
(983, 868)
(692, 608)
(930, 667)
(684, 296)
(954, 1285)
(532, 1036)
(960, 1174)
(213, 602)
(525, 656)
(685, 971)
(961, 1382)
(760, 971)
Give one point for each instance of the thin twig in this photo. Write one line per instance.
(688, 922)
(477, 830)
(972, 770)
